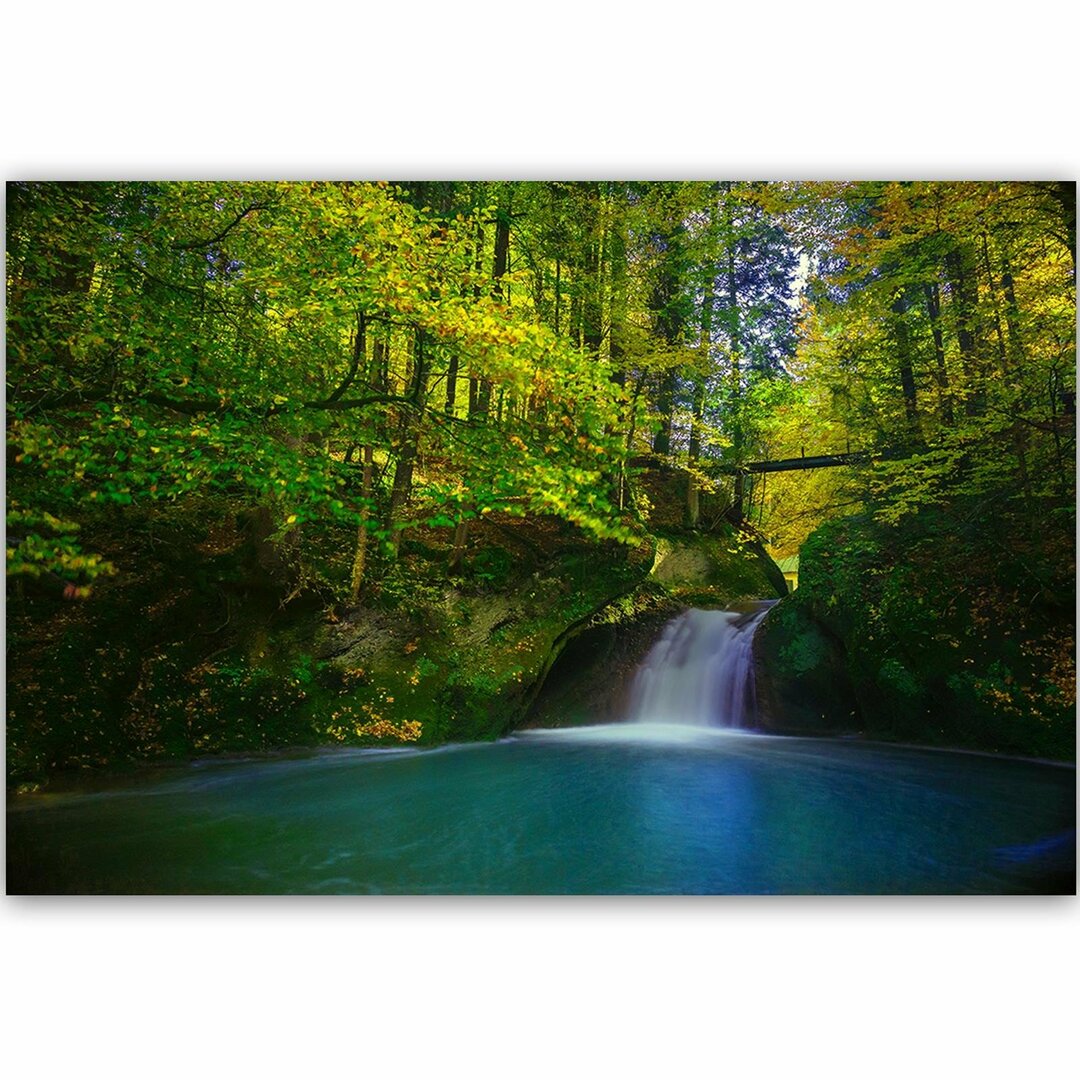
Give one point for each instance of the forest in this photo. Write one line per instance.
(257, 427)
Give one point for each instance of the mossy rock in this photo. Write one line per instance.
(802, 677)
(943, 631)
(715, 569)
(591, 678)
(178, 664)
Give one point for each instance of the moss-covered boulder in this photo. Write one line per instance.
(205, 650)
(803, 685)
(952, 627)
(464, 665)
(715, 569)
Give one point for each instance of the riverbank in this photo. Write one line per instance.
(201, 651)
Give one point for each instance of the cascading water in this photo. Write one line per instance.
(700, 671)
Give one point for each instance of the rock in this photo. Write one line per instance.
(803, 685)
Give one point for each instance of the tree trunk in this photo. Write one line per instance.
(626, 492)
(360, 558)
(451, 384)
(1012, 312)
(902, 341)
(1019, 433)
(960, 269)
(66, 280)
(558, 292)
(592, 330)
(693, 501)
(575, 312)
(665, 399)
(380, 364)
(617, 304)
(668, 324)
(502, 249)
(403, 469)
(399, 494)
(932, 294)
(498, 272)
(999, 333)
(478, 267)
(738, 440)
(1064, 194)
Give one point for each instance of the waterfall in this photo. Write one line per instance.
(700, 671)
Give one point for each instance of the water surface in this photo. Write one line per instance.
(624, 808)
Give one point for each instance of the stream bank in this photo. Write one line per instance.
(199, 650)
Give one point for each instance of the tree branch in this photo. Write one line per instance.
(191, 245)
(359, 348)
(195, 406)
(351, 403)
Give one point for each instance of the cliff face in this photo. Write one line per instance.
(922, 632)
(465, 665)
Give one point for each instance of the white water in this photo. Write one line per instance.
(700, 672)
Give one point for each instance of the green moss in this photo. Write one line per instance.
(715, 569)
(894, 678)
(805, 651)
(954, 628)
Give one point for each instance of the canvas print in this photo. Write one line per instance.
(541, 537)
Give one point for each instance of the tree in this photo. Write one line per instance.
(922, 311)
(221, 344)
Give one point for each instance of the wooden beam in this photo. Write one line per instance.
(820, 461)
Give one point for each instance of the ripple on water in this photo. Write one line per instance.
(643, 807)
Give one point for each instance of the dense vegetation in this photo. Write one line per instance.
(239, 411)
(946, 340)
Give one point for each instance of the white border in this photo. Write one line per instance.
(523, 988)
